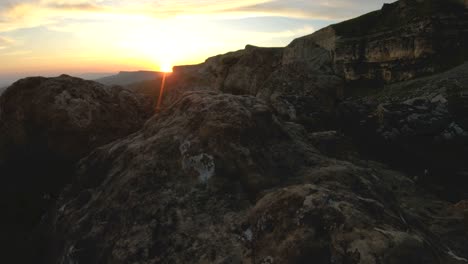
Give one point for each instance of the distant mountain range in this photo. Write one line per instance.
(6, 81)
(125, 78)
(122, 78)
(94, 75)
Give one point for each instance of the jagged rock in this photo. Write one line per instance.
(246, 71)
(217, 178)
(241, 72)
(402, 41)
(301, 87)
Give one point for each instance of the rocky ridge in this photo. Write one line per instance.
(126, 78)
(217, 178)
(404, 40)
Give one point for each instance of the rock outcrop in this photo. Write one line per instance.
(46, 126)
(66, 117)
(301, 87)
(241, 72)
(217, 178)
(404, 40)
(305, 80)
(419, 125)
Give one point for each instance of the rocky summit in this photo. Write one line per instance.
(348, 146)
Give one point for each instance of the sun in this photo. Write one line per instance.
(165, 67)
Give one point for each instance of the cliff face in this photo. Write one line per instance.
(299, 83)
(241, 72)
(404, 40)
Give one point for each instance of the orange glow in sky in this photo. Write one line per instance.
(50, 37)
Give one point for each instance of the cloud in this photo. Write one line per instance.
(320, 10)
(35, 13)
(85, 7)
(16, 14)
(16, 53)
(19, 14)
(5, 42)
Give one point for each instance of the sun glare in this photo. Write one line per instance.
(166, 67)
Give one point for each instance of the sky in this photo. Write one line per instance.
(50, 37)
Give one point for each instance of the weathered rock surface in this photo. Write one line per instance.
(421, 125)
(404, 40)
(241, 72)
(46, 126)
(301, 87)
(65, 116)
(304, 81)
(217, 178)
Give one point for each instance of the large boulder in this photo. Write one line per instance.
(46, 126)
(65, 117)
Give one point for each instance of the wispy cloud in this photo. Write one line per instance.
(16, 53)
(5, 42)
(320, 10)
(85, 7)
(31, 13)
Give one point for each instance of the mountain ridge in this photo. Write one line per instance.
(129, 77)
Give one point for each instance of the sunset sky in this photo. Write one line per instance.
(49, 37)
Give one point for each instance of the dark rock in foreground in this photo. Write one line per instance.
(46, 126)
(217, 178)
(420, 126)
(66, 117)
